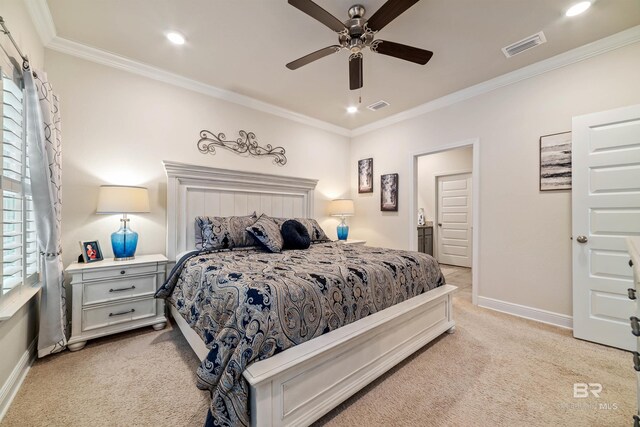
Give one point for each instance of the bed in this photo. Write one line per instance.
(299, 384)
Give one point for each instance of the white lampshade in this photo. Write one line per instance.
(120, 199)
(341, 207)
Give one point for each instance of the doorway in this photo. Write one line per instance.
(445, 188)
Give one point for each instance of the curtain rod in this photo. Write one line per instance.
(5, 30)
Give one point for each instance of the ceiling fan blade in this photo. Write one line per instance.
(294, 65)
(319, 14)
(402, 51)
(388, 12)
(355, 71)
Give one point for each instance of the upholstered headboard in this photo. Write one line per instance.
(200, 190)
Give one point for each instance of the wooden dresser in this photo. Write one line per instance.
(114, 296)
(425, 239)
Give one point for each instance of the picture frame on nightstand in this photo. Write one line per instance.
(91, 251)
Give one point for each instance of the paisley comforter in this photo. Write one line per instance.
(250, 305)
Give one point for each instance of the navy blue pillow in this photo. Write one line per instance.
(295, 235)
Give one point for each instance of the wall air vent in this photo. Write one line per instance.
(377, 105)
(524, 44)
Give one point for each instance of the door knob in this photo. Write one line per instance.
(582, 239)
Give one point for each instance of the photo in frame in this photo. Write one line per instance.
(555, 162)
(91, 251)
(365, 176)
(389, 192)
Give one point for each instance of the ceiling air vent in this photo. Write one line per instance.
(524, 44)
(377, 105)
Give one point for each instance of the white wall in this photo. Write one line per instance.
(18, 332)
(451, 161)
(117, 128)
(525, 250)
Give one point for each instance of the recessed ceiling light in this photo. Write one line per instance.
(175, 38)
(578, 8)
(352, 109)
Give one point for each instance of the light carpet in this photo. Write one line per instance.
(496, 370)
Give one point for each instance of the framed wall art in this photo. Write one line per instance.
(555, 162)
(389, 192)
(365, 176)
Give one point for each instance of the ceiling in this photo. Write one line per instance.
(243, 45)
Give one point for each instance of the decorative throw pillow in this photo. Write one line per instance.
(316, 233)
(295, 235)
(267, 232)
(216, 232)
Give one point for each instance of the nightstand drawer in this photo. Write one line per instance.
(113, 290)
(123, 271)
(113, 314)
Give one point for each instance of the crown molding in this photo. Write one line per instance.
(99, 56)
(615, 41)
(42, 19)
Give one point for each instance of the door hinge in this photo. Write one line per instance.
(635, 326)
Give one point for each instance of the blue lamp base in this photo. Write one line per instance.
(343, 230)
(124, 242)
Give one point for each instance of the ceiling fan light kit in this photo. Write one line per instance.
(358, 33)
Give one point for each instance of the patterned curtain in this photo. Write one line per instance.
(45, 163)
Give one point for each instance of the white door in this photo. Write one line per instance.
(453, 234)
(606, 208)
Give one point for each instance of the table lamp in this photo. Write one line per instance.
(342, 208)
(120, 199)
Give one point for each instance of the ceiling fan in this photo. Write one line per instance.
(358, 33)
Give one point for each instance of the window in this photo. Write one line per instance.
(18, 252)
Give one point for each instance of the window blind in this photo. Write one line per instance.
(19, 247)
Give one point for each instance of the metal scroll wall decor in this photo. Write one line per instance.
(245, 144)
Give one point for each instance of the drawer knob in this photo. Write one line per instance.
(120, 313)
(122, 272)
(635, 326)
(122, 289)
(630, 263)
(636, 361)
(632, 293)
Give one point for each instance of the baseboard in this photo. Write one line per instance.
(13, 383)
(543, 316)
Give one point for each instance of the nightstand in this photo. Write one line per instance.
(352, 242)
(115, 296)
(425, 239)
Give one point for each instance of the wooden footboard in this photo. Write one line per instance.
(299, 385)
